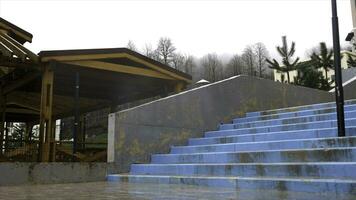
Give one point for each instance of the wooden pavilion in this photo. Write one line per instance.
(38, 89)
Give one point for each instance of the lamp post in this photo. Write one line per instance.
(339, 91)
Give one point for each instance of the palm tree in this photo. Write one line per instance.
(308, 76)
(287, 61)
(323, 59)
(351, 62)
(275, 65)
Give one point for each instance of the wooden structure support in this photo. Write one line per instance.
(6, 145)
(2, 118)
(46, 121)
(179, 87)
(52, 85)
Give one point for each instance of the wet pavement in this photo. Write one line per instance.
(125, 191)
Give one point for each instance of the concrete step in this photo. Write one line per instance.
(298, 108)
(344, 154)
(284, 121)
(337, 186)
(288, 127)
(272, 136)
(269, 145)
(343, 170)
(351, 107)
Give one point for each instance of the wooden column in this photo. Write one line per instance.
(46, 122)
(2, 118)
(6, 137)
(53, 142)
(179, 87)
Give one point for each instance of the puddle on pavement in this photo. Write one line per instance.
(128, 191)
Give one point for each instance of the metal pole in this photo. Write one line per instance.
(339, 91)
(76, 113)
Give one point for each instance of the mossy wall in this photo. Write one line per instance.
(350, 90)
(17, 173)
(136, 133)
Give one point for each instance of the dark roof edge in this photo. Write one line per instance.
(349, 36)
(13, 26)
(109, 51)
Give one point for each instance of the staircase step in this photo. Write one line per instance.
(288, 149)
(337, 186)
(292, 114)
(297, 108)
(344, 170)
(272, 136)
(284, 121)
(269, 145)
(270, 156)
(288, 127)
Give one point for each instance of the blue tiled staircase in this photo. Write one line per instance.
(293, 149)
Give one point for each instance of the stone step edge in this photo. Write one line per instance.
(248, 164)
(297, 124)
(303, 106)
(313, 110)
(274, 141)
(290, 118)
(260, 151)
(271, 133)
(315, 185)
(256, 178)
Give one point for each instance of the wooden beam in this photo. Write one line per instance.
(119, 68)
(5, 51)
(82, 57)
(179, 87)
(23, 81)
(114, 55)
(16, 32)
(155, 67)
(2, 118)
(52, 138)
(83, 110)
(22, 111)
(24, 105)
(62, 105)
(6, 145)
(17, 51)
(29, 53)
(46, 122)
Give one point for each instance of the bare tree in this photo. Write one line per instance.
(165, 50)
(212, 67)
(178, 61)
(261, 54)
(235, 66)
(248, 57)
(150, 52)
(131, 45)
(189, 64)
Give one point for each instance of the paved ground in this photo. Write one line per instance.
(106, 191)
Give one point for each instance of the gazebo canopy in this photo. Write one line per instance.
(56, 84)
(107, 77)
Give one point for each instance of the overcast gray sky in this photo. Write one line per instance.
(196, 27)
